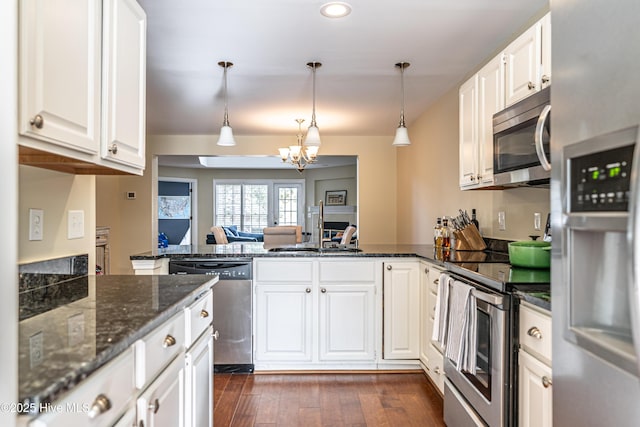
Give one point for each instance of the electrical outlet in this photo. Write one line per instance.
(75, 225)
(36, 224)
(35, 349)
(502, 221)
(536, 221)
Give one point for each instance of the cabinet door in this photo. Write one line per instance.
(162, 404)
(283, 322)
(199, 383)
(490, 101)
(468, 110)
(545, 34)
(60, 59)
(522, 65)
(346, 322)
(401, 310)
(426, 326)
(535, 392)
(124, 76)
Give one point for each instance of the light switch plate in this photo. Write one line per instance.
(36, 224)
(75, 225)
(502, 222)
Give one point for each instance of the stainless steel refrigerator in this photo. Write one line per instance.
(595, 100)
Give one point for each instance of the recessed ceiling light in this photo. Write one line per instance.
(335, 9)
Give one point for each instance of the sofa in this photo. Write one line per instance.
(234, 235)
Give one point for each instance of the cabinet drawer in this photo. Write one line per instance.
(283, 271)
(112, 385)
(198, 317)
(535, 332)
(347, 271)
(157, 349)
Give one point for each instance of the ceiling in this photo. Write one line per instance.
(270, 42)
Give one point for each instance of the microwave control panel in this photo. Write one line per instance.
(601, 181)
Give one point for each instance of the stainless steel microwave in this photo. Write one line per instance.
(521, 150)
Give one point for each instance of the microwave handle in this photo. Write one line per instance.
(634, 249)
(538, 138)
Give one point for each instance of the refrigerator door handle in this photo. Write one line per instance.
(634, 250)
(538, 138)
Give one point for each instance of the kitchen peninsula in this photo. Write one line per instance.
(112, 343)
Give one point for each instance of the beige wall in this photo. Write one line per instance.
(55, 193)
(428, 183)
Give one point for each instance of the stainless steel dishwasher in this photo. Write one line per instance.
(232, 311)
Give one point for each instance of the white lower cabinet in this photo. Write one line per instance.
(199, 382)
(161, 380)
(401, 295)
(162, 403)
(323, 317)
(99, 401)
(431, 358)
(535, 395)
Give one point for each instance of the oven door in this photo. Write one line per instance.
(484, 389)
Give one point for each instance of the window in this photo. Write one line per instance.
(253, 205)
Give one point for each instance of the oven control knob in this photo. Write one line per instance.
(534, 332)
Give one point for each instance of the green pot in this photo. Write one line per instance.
(530, 254)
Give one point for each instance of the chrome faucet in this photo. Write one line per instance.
(320, 223)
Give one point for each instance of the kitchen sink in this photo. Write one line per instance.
(311, 249)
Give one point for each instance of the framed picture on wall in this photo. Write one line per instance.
(335, 198)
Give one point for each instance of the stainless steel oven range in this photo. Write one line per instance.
(486, 395)
(483, 396)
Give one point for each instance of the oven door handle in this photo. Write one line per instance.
(495, 300)
(538, 138)
(633, 234)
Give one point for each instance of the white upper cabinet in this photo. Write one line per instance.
(528, 61)
(82, 85)
(522, 59)
(60, 56)
(124, 82)
(523, 68)
(490, 101)
(468, 110)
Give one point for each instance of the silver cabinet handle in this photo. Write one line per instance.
(437, 370)
(37, 121)
(154, 406)
(113, 149)
(545, 79)
(538, 138)
(308, 290)
(534, 332)
(426, 270)
(204, 313)
(479, 177)
(216, 335)
(100, 405)
(388, 267)
(169, 341)
(531, 86)
(546, 382)
(323, 290)
(473, 178)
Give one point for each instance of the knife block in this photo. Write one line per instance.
(469, 239)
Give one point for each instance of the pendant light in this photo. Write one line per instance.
(402, 135)
(313, 134)
(226, 133)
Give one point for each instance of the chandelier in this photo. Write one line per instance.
(299, 155)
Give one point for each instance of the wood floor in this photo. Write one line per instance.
(261, 400)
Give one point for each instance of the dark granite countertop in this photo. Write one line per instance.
(473, 263)
(76, 338)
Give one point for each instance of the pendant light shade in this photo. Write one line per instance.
(226, 133)
(402, 135)
(313, 133)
